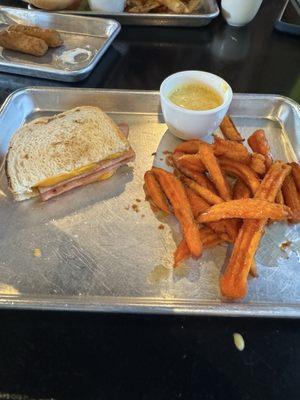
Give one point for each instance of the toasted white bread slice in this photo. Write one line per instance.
(58, 145)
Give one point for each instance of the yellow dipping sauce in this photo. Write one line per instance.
(196, 96)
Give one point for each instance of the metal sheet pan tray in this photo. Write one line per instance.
(91, 36)
(100, 253)
(208, 11)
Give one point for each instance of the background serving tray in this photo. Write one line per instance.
(98, 253)
(93, 35)
(208, 10)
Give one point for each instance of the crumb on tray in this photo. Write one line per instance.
(37, 253)
(135, 207)
(169, 161)
(284, 245)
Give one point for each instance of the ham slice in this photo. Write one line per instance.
(125, 129)
(86, 178)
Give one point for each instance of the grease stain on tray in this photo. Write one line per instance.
(8, 289)
(158, 274)
(74, 57)
(182, 271)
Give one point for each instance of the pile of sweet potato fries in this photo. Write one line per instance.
(213, 209)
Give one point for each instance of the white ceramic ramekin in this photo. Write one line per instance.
(190, 124)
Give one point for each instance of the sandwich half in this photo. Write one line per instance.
(50, 156)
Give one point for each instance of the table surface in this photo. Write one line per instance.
(47, 355)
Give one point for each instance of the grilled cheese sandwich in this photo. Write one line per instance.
(49, 156)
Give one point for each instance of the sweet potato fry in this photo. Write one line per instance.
(229, 130)
(279, 197)
(232, 228)
(230, 149)
(241, 190)
(242, 171)
(209, 239)
(233, 283)
(205, 193)
(182, 253)
(229, 228)
(189, 147)
(212, 242)
(198, 177)
(176, 194)
(199, 205)
(155, 192)
(259, 144)
(258, 163)
(245, 209)
(296, 174)
(190, 161)
(211, 164)
(217, 227)
(291, 197)
(253, 269)
(272, 182)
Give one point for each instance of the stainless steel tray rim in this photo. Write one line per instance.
(151, 306)
(254, 96)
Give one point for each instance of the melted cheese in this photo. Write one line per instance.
(54, 180)
(107, 175)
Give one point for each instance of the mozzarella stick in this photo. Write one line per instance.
(50, 36)
(24, 44)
